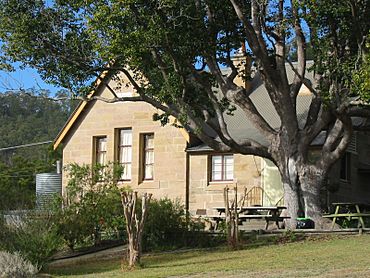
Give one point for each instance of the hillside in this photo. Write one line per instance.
(27, 118)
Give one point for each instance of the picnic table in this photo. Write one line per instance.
(268, 213)
(350, 211)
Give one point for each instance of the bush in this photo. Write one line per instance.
(14, 266)
(35, 238)
(91, 205)
(168, 227)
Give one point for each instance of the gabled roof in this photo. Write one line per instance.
(73, 118)
(77, 112)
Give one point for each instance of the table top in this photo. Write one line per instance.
(254, 208)
(350, 204)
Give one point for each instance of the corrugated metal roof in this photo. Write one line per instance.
(240, 127)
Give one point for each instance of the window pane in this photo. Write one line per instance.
(229, 175)
(102, 144)
(101, 150)
(229, 160)
(149, 157)
(125, 154)
(216, 175)
(216, 159)
(149, 141)
(148, 172)
(228, 167)
(101, 158)
(126, 137)
(126, 173)
(222, 167)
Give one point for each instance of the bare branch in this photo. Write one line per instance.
(301, 53)
(341, 142)
(302, 79)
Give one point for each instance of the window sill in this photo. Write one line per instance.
(344, 181)
(149, 184)
(219, 185)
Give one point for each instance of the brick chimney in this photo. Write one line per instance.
(243, 62)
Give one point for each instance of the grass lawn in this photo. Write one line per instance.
(344, 256)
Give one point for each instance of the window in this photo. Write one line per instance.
(125, 152)
(101, 150)
(345, 167)
(222, 167)
(148, 156)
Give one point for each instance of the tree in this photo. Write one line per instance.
(134, 223)
(173, 53)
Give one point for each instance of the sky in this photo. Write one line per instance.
(24, 79)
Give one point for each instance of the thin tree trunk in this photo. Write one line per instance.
(134, 225)
(231, 218)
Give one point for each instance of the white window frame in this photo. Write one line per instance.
(100, 153)
(146, 163)
(225, 168)
(126, 163)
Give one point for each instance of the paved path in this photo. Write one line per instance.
(106, 254)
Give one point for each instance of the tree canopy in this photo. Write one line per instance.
(173, 52)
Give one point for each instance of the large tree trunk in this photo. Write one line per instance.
(291, 201)
(311, 182)
(288, 172)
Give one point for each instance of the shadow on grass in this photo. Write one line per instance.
(159, 260)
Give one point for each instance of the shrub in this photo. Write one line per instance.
(168, 226)
(15, 266)
(91, 205)
(35, 238)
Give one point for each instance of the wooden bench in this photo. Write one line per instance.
(350, 215)
(268, 218)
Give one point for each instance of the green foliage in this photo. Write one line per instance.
(361, 78)
(17, 182)
(70, 42)
(168, 227)
(341, 47)
(33, 235)
(91, 205)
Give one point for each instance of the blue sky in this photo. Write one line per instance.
(24, 79)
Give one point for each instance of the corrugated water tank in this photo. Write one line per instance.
(47, 185)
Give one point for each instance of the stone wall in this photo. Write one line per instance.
(204, 194)
(103, 119)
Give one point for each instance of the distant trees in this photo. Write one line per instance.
(31, 116)
(27, 117)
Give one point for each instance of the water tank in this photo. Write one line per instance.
(47, 185)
